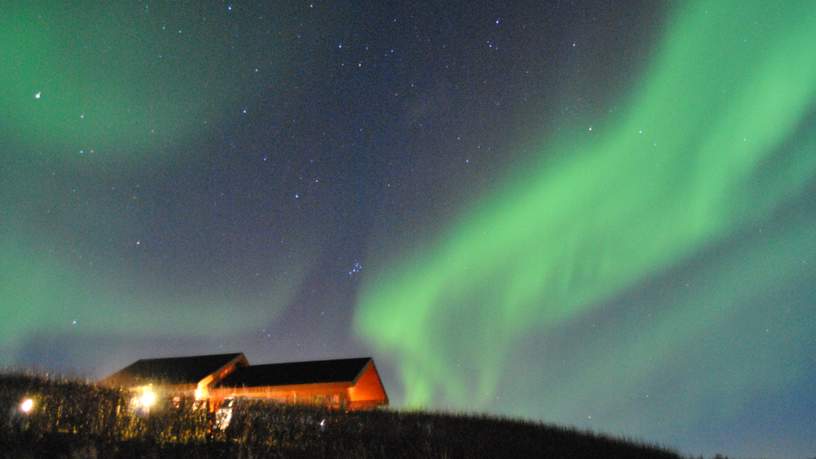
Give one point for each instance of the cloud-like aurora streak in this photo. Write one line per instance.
(112, 78)
(44, 294)
(714, 141)
(88, 91)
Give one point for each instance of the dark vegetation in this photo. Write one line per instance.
(74, 419)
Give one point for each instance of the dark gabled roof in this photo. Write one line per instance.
(173, 370)
(284, 374)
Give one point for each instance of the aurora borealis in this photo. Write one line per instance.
(591, 215)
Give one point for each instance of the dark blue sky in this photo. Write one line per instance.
(304, 181)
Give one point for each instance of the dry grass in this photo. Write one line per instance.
(75, 419)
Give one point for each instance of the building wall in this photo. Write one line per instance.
(332, 394)
(364, 393)
(368, 392)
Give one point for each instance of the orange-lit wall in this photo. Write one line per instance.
(368, 391)
(323, 394)
(365, 393)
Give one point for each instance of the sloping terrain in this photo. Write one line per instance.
(74, 419)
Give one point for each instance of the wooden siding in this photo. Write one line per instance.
(368, 390)
(365, 393)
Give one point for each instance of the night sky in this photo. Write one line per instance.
(590, 213)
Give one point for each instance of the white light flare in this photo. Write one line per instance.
(27, 406)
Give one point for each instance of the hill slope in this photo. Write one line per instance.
(74, 419)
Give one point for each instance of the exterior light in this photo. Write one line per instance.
(27, 406)
(147, 399)
(202, 388)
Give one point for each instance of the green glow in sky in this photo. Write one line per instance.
(114, 79)
(49, 295)
(712, 145)
(88, 90)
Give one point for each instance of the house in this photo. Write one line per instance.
(350, 383)
(342, 383)
(176, 376)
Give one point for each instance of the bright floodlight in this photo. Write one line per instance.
(27, 405)
(147, 399)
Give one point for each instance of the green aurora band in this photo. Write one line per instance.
(123, 85)
(119, 304)
(713, 145)
(74, 77)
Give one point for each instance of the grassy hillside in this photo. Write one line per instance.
(74, 419)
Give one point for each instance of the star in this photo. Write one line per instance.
(355, 268)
